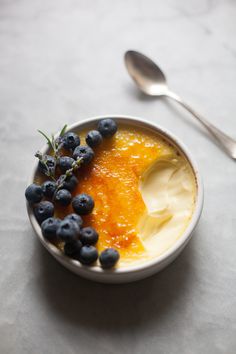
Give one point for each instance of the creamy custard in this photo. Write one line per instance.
(144, 192)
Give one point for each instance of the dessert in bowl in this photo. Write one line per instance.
(147, 197)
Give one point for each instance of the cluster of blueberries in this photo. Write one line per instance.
(79, 242)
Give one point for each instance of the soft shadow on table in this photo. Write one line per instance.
(110, 307)
(135, 93)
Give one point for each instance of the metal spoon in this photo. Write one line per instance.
(151, 80)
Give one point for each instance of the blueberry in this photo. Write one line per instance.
(71, 249)
(49, 228)
(88, 255)
(63, 197)
(76, 218)
(93, 138)
(43, 211)
(65, 163)
(50, 162)
(34, 193)
(70, 140)
(85, 152)
(49, 188)
(70, 183)
(88, 236)
(107, 127)
(68, 231)
(83, 204)
(109, 257)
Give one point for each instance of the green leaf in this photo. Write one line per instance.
(63, 130)
(47, 138)
(53, 142)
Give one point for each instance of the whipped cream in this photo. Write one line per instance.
(168, 189)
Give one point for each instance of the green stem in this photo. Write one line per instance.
(60, 181)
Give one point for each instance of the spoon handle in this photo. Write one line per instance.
(226, 142)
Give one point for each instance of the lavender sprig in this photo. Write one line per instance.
(49, 171)
(76, 164)
(55, 144)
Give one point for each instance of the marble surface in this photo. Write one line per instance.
(61, 61)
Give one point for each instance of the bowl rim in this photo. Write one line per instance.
(75, 265)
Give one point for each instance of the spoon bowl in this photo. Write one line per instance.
(146, 74)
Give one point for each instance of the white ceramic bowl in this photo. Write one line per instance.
(131, 273)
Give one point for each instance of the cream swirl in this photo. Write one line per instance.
(168, 189)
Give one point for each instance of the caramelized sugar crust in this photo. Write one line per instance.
(113, 181)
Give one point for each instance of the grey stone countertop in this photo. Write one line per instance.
(62, 61)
